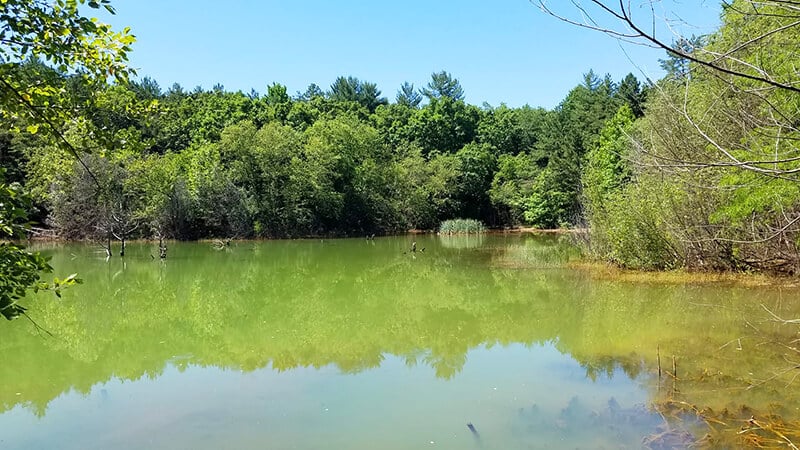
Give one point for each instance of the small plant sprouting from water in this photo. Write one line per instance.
(462, 226)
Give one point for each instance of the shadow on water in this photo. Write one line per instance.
(351, 304)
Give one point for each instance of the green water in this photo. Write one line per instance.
(361, 344)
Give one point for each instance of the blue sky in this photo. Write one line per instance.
(500, 50)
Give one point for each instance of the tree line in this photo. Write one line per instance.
(345, 161)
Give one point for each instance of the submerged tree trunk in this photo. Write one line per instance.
(162, 248)
(108, 245)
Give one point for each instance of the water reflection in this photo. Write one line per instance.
(459, 241)
(447, 325)
(516, 397)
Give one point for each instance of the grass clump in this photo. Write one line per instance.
(462, 226)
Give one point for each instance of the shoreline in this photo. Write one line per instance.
(47, 237)
(596, 269)
(604, 271)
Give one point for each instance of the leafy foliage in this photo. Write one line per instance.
(512, 185)
(607, 163)
(33, 96)
(59, 35)
(20, 269)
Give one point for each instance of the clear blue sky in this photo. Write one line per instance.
(500, 50)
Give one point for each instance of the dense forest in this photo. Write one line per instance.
(697, 169)
(345, 161)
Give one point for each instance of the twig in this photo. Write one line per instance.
(658, 358)
(739, 347)
(38, 327)
(778, 319)
(779, 374)
(674, 368)
(753, 422)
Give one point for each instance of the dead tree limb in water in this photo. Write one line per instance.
(162, 248)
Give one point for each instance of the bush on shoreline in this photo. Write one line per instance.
(462, 226)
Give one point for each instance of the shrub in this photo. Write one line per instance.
(462, 226)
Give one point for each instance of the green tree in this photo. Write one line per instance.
(59, 35)
(353, 165)
(163, 208)
(608, 166)
(351, 89)
(276, 94)
(511, 130)
(275, 106)
(436, 185)
(311, 92)
(212, 111)
(219, 207)
(676, 65)
(633, 94)
(304, 113)
(146, 89)
(553, 202)
(567, 134)
(261, 163)
(445, 125)
(394, 124)
(512, 184)
(442, 85)
(477, 165)
(408, 96)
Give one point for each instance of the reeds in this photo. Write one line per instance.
(462, 226)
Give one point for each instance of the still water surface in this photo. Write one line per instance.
(361, 344)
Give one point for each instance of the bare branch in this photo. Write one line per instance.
(637, 34)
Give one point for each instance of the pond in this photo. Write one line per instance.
(497, 341)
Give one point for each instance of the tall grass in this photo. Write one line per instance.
(462, 226)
